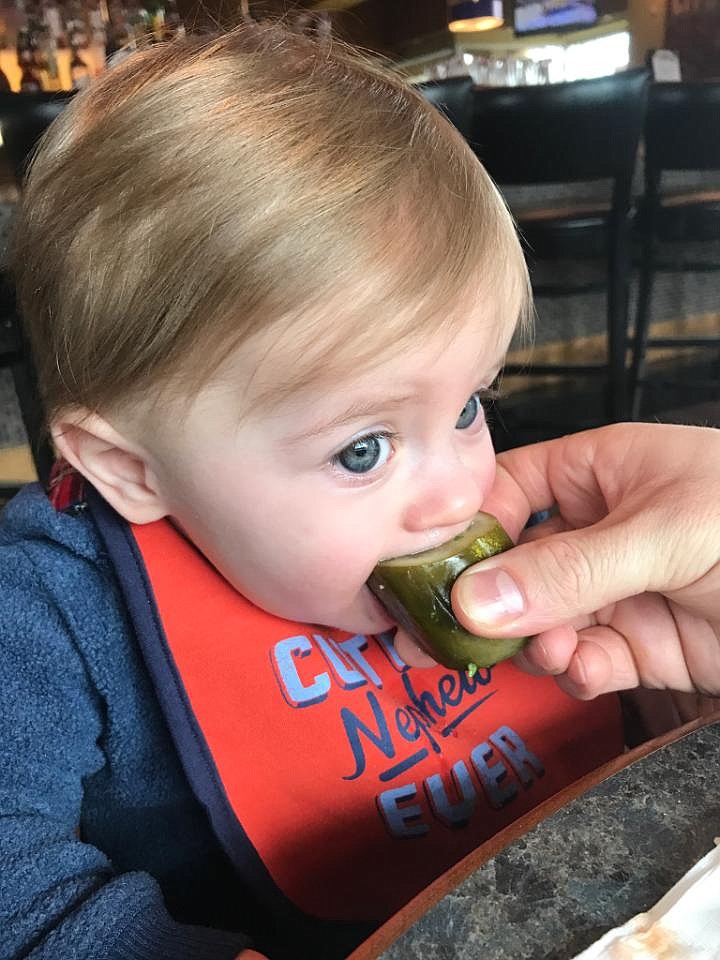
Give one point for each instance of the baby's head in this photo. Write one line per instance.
(266, 285)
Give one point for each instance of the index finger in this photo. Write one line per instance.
(508, 502)
(558, 472)
(521, 487)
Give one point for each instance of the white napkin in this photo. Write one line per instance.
(684, 925)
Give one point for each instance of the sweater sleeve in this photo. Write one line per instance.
(60, 897)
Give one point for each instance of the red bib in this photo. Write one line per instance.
(339, 781)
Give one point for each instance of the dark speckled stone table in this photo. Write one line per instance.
(607, 855)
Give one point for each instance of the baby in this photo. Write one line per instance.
(268, 290)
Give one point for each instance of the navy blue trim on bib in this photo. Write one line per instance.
(296, 934)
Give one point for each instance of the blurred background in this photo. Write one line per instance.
(598, 119)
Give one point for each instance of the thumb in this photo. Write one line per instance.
(551, 581)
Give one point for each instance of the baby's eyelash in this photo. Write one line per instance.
(488, 397)
(489, 394)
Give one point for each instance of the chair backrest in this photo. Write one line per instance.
(561, 133)
(454, 97)
(24, 118)
(682, 129)
(15, 354)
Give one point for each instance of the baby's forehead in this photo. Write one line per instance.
(340, 351)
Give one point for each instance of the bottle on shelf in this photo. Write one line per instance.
(98, 22)
(29, 82)
(4, 45)
(53, 70)
(120, 33)
(174, 27)
(63, 44)
(79, 70)
(63, 57)
(41, 60)
(139, 24)
(53, 19)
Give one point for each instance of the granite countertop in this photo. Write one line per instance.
(604, 857)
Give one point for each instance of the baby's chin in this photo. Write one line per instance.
(365, 615)
(377, 621)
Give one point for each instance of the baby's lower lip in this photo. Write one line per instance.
(378, 612)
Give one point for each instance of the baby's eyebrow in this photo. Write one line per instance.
(356, 411)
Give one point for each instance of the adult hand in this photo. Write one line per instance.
(622, 586)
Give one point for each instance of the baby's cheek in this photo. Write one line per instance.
(344, 573)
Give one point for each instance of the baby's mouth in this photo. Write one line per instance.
(434, 537)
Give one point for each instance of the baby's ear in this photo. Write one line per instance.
(114, 465)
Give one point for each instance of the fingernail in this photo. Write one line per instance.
(490, 596)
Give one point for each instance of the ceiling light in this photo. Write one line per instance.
(470, 16)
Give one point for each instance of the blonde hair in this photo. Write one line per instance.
(211, 187)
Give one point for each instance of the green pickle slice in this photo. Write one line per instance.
(415, 590)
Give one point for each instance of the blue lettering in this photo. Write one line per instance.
(399, 820)
(491, 777)
(424, 701)
(428, 706)
(296, 693)
(385, 641)
(447, 685)
(412, 726)
(354, 647)
(523, 761)
(347, 676)
(452, 814)
(407, 725)
(423, 727)
(354, 727)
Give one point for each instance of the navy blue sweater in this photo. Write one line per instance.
(104, 852)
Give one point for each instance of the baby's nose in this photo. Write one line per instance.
(445, 496)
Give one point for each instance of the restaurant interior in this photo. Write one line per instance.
(599, 120)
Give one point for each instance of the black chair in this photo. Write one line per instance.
(24, 118)
(566, 134)
(454, 97)
(682, 133)
(15, 355)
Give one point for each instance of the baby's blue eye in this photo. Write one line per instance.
(365, 454)
(470, 412)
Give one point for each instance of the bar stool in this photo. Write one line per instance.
(682, 133)
(24, 118)
(454, 97)
(566, 134)
(15, 356)
(563, 134)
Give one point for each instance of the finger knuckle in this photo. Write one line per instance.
(568, 570)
